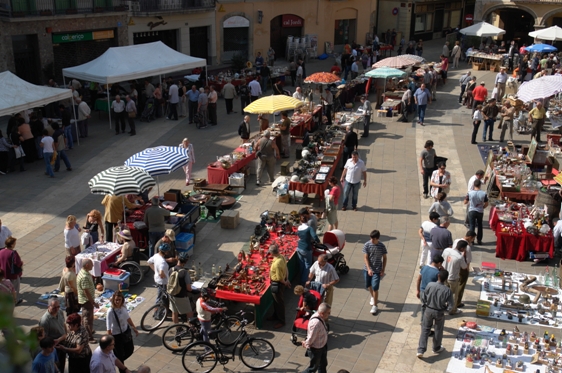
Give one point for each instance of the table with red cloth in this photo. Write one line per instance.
(522, 195)
(317, 188)
(518, 246)
(304, 122)
(219, 175)
(264, 299)
(235, 82)
(140, 236)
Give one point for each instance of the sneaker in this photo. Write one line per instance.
(257, 183)
(374, 310)
(419, 355)
(372, 301)
(440, 349)
(455, 313)
(431, 333)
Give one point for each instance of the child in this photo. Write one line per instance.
(309, 301)
(47, 360)
(476, 120)
(39, 333)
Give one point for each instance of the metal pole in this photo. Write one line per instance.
(73, 112)
(108, 105)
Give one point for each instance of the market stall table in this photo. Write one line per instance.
(300, 123)
(219, 84)
(523, 194)
(140, 236)
(488, 61)
(216, 174)
(102, 255)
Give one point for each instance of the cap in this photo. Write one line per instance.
(525, 299)
(164, 247)
(170, 234)
(482, 83)
(126, 234)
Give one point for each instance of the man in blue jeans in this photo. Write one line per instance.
(352, 171)
(374, 253)
(477, 201)
(422, 98)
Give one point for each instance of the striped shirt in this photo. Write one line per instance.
(84, 282)
(324, 275)
(317, 335)
(375, 254)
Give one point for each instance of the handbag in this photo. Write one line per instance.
(19, 152)
(132, 114)
(274, 287)
(127, 336)
(15, 269)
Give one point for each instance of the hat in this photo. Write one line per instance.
(525, 299)
(482, 83)
(164, 247)
(126, 234)
(266, 133)
(170, 234)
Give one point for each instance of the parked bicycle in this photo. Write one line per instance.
(156, 315)
(176, 337)
(202, 357)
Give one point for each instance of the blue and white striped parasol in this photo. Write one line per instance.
(161, 160)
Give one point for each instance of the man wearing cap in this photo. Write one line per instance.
(268, 152)
(422, 97)
(507, 114)
(536, 118)
(479, 95)
(155, 220)
(279, 276)
(179, 303)
(463, 81)
(367, 110)
(170, 239)
(158, 264)
(128, 247)
(501, 80)
(489, 112)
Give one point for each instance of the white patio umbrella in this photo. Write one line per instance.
(482, 29)
(552, 33)
(540, 88)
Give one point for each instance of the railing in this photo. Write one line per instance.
(538, 1)
(139, 7)
(26, 8)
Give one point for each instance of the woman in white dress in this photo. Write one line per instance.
(191, 154)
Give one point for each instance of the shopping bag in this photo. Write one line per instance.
(495, 93)
(19, 152)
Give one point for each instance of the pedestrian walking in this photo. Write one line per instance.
(121, 327)
(350, 143)
(479, 95)
(469, 237)
(255, 89)
(244, 129)
(477, 201)
(454, 261)
(440, 237)
(456, 54)
(229, 94)
(47, 144)
(267, 152)
(427, 165)
(463, 82)
(86, 297)
(212, 105)
(490, 113)
(425, 236)
(173, 99)
(476, 121)
(104, 360)
(84, 112)
(500, 82)
(428, 273)
(422, 98)
(374, 256)
(322, 277)
(279, 276)
(440, 180)
(437, 299)
(353, 171)
(131, 109)
(316, 342)
(185, 144)
(53, 323)
(367, 111)
(507, 113)
(60, 146)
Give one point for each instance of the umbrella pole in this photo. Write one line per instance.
(158, 184)
(124, 216)
(108, 98)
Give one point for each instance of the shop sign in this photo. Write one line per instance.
(82, 36)
(469, 18)
(290, 20)
(236, 21)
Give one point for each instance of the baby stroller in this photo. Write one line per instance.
(332, 245)
(148, 112)
(300, 325)
(199, 120)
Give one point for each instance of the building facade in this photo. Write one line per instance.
(246, 28)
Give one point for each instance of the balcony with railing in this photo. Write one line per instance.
(31, 8)
(151, 7)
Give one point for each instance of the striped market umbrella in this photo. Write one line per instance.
(540, 88)
(396, 62)
(121, 180)
(161, 160)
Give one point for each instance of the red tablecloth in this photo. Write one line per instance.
(305, 122)
(235, 82)
(316, 188)
(219, 175)
(140, 236)
(518, 246)
(288, 249)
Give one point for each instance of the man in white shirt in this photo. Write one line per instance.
(255, 89)
(160, 267)
(300, 73)
(118, 107)
(173, 93)
(325, 275)
(501, 80)
(469, 237)
(478, 175)
(424, 233)
(352, 171)
(454, 261)
(48, 150)
(83, 115)
(5, 232)
(104, 360)
(298, 94)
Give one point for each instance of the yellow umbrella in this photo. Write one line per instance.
(273, 104)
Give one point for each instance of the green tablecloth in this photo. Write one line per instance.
(102, 104)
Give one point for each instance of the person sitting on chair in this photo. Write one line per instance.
(309, 301)
(127, 250)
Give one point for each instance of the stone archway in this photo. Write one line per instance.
(549, 14)
(495, 8)
(241, 31)
(516, 21)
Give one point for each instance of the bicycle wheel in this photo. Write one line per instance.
(153, 317)
(199, 357)
(257, 353)
(230, 330)
(177, 336)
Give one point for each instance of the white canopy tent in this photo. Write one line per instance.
(18, 94)
(482, 29)
(552, 33)
(130, 62)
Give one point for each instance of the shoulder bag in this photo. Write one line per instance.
(127, 336)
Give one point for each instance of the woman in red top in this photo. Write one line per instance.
(336, 69)
(444, 67)
(11, 264)
(332, 200)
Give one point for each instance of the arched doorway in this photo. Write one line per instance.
(282, 27)
(235, 36)
(517, 23)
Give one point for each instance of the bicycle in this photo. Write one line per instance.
(255, 353)
(176, 337)
(155, 315)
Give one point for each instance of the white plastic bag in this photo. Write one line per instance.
(495, 93)
(86, 239)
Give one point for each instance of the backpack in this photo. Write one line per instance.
(174, 286)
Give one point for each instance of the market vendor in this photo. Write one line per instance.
(536, 119)
(306, 236)
(126, 239)
(114, 206)
(171, 255)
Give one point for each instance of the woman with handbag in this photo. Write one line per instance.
(72, 236)
(12, 265)
(68, 285)
(76, 345)
(440, 181)
(119, 324)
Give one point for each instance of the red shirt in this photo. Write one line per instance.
(335, 69)
(480, 93)
(335, 193)
(6, 263)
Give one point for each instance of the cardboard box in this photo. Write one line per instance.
(285, 168)
(284, 198)
(230, 219)
(173, 195)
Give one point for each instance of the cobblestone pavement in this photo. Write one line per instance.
(35, 207)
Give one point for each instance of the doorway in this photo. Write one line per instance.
(26, 56)
(279, 33)
(199, 42)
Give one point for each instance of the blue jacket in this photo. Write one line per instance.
(306, 237)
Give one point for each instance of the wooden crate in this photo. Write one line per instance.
(230, 219)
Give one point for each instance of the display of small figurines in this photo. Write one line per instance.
(469, 361)
(502, 335)
(519, 365)
(499, 363)
(242, 256)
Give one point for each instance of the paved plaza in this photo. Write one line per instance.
(35, 207)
